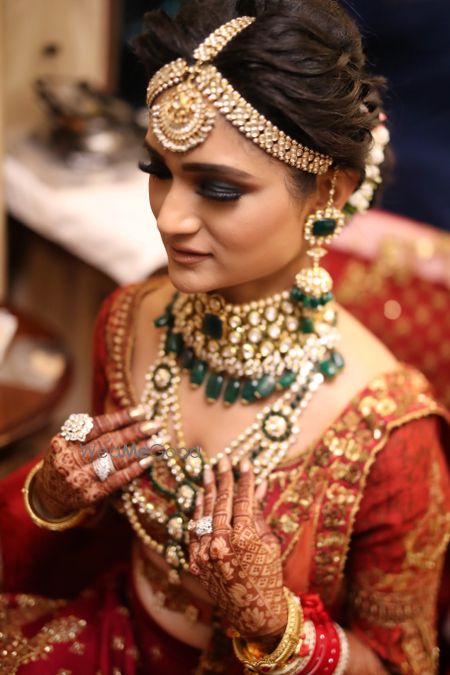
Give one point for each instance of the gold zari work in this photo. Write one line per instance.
(184, 115)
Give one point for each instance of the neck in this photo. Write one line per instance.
(265, 287)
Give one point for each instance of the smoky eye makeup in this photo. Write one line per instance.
(206, 178)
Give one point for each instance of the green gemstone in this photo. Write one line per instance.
(296, 294)
(212, 326)
(306, 325)
(163, 321)
(324, 227)
(338, 360)
(248, 390)
(187, 358)
(198, 372)
(266, 386)
(214, 386)
(232, 391)
(307, 301)
(174, 343)
(327, 297)
(286, 379)
(328, 369)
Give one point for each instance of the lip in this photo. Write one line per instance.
(187, 257)
(187, 251)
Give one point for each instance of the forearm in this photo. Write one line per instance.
(362, 659)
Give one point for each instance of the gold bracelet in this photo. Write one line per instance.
(58, 524)
(289, 643)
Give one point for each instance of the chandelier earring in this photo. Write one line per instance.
(313, 285)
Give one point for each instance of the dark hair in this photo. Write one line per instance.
(301, 64)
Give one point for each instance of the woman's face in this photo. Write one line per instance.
(229, 200)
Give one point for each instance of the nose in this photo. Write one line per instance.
(177, 214)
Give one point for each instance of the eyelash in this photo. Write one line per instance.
(220, 194)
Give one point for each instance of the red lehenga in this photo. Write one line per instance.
(363, 519)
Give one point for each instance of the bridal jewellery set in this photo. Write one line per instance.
(285, 344)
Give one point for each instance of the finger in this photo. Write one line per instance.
(223, 509)
(194, 540)
(262, 527)
(209, 500)
(243, 500)
(121, 478)
(210, 493)
(116, 442)
(125, 457)
(114, 420)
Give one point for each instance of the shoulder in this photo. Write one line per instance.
(124, 308)
(124, 332)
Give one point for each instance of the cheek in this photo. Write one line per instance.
(258, 223)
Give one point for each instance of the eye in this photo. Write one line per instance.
(223, 192)
(158, 170)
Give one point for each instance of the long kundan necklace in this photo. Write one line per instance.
(285, 343)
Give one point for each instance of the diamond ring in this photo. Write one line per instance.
(77, 427)
(201, 526)
(103, 466)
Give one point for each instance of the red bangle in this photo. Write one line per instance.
(327, 650)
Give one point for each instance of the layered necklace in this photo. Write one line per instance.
(240, 354)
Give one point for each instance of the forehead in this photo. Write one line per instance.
(224, 145)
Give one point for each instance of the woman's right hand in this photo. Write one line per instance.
(67, 481)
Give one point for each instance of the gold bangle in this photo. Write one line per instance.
(58, 524)
(288, 644)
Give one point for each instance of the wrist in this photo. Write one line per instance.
(45, 505)
(50, 523)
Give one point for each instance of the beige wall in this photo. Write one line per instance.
(81, 29)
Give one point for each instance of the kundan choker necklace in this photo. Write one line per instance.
(249, 352)
(246, 352)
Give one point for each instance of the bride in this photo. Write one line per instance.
(281, 472)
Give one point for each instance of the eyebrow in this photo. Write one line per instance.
(202, 166)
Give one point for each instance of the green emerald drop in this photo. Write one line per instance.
(266, 386)
(198, 372)
(188, 358)
(324, 227)
(232, 391)
(328, 369)
(286, 379)
(338, 360)
(212, 326)
(174, 343)
(248, 390)
(214, 386)
(327, 297)
(163, 321)
(296, 294)
(306, 324)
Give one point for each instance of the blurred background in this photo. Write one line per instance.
(75, 220)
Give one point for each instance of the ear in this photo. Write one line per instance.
(346, 183)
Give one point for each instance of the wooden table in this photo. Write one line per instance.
(24, 411)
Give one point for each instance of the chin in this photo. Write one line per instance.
(190, 280)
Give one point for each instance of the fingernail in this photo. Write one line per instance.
(145, 462)
(207, 474)
(137, 413)
(245, 465)
(149, 427)
(224, 465)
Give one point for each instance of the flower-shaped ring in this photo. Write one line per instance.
(77, 427)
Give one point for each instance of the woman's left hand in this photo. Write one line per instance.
(239, 563)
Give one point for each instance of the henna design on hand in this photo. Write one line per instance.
(67, 480)
(239, 564)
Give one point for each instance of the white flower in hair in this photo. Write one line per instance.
(360, 200)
